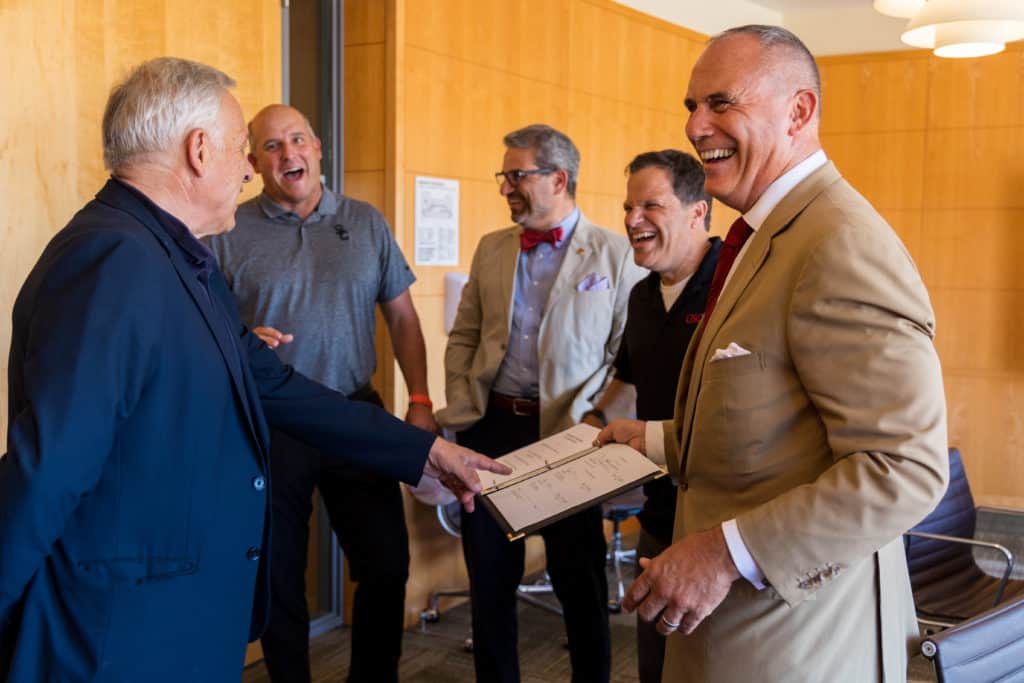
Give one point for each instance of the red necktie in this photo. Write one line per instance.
(734, 241)
(528, 239)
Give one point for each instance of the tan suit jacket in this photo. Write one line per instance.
(825, 444)
(579, 333)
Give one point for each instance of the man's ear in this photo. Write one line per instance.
(254, 162)
(561, 178)
(699, 213)
(197, 150)
(803, 110)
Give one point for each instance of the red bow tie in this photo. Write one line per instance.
(528, 239)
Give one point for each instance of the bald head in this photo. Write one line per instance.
(753, 101)
(286, 153)
(784, 56)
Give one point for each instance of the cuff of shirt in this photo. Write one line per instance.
(654, 442)
(741, 557)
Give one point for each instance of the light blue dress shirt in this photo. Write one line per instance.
(536, 271)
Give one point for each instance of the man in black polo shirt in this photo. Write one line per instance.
(667, 218)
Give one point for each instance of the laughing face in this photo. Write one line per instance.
(665, 234)
(740, 102)
(287, 155)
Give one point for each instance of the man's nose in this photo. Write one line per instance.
(634, 216)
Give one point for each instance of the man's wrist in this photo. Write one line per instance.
(420, 400)
(597, 414)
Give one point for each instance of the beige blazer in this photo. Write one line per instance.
(579, 333)
(826, 442)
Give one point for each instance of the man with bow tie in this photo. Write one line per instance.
(531, 350)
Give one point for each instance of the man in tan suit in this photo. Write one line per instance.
(531, 349)
(810, 427)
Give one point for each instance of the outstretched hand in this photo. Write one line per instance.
(684, 584)
(629, 432)
(456, 467)
(272, 337)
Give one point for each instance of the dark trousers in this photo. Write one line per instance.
(650, 645)
(575, 549)
(366, 514)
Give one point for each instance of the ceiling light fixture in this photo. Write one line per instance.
(904, 9)
(958, 28)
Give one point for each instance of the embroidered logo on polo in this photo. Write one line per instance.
(342, 232)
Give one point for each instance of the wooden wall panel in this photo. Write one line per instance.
(977, 168)
(936, 145)
(977, 92)
(364, 107)
(456, 113)
(884, 166)
(63, 56)
(882, 94)
(515, 37)
(365, 22)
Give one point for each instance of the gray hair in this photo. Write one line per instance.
(552, 149)
(773, 37)
(158, 103)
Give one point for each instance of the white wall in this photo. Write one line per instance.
(828, 27)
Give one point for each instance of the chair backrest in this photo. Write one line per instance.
(984, 649)
(929, 560)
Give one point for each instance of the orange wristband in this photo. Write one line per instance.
(422, 399)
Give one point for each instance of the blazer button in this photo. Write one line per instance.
(259, 483)
(252, 553)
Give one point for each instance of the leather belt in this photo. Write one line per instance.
(517, 405)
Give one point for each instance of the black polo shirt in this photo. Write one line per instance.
(651, 357)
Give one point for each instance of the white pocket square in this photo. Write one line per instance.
(593, 283)
(733, 350)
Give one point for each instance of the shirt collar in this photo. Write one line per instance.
(327, 206)
(568, 224)
(782, 186)
(195, 251)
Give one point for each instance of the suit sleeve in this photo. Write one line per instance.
(81, 353)
(357, 432)
(463, 342)
(859, 330)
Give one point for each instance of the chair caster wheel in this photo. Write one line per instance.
(467, 645)
(430, 616)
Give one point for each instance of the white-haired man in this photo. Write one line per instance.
(133, 496)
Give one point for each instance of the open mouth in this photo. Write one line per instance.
(294, 174)
(713, 156)
(641, 237)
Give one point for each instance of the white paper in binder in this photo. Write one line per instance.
(453, 284)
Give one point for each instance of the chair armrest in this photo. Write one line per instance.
(1007, 555)
(987, 647)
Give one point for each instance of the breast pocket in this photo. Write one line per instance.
(744, 402)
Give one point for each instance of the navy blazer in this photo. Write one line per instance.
(134, 517)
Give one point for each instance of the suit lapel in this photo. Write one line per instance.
(577, 250)
(508, 262)
(757, 252)
(122, 199)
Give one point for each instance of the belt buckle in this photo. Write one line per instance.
(515, 407)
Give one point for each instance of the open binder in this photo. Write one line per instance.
(557, 476)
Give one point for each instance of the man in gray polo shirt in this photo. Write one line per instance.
(307, 267)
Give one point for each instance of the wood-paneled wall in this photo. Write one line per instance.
(62, 57)
(431, 88)
(936, 145)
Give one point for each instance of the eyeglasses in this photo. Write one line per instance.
(516, 176)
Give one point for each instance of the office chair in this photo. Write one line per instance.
(617, 510)
(984, 649)
(448, 515)
(948, 584)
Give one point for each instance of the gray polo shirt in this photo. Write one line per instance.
(318, 279)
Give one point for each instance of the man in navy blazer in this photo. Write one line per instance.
(133, 496)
